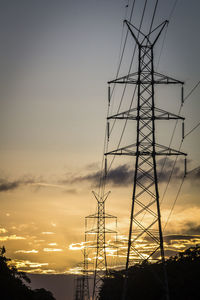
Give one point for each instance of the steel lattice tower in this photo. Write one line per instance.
(145, 219)
(101, 262)
(78, 295)
(85, 278)
(82, 281)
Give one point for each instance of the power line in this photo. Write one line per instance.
(177, 195)
(154, 13)
(131, 63)
(102, 177)
(195, 127)
(126, 37)
(175, 126)
(192, 90)
(193, 170)
(173, 9)
(188, 95)
(171, 173)
(105, 147)
(140, 25)
(165, 34)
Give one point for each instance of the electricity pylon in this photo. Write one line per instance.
(145, 219)
(85, 277)
(100, 230)
(82, 281)
(78, 295)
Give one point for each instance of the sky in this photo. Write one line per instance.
(56, 58)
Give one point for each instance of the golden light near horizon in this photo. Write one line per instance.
(53, 101)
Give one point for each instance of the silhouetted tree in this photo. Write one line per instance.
(144, 280)
(13, 283)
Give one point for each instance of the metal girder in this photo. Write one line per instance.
(104, 216)
(144, 79)
(159, 150)
(160, 114)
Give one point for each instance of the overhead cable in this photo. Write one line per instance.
(192, 90)
(195, 127)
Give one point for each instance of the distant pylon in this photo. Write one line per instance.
(100, 230)
(82, 281)
(78, 288)
(145, 219)
(81, 285)
(85, 278)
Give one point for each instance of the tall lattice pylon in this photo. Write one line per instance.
(81, 286)
(145, 219)
(100, 230)
(85, 277)
(78, 288)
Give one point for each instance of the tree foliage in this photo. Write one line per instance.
(13, 284)
(145, 280)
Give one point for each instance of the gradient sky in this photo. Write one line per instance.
(56, 57)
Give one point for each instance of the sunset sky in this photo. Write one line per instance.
(56, 58)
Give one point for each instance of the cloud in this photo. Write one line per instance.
(10, 185)
(24, 264)
(92, 166)
(47, 232)
(3, 230)
(76, 270)
(178, 237)
(6, 185)
(77, 246)
(11, 237)
(45, 184)
(192, 228)
(194, 175)
(26, 251)
(52, 250)
(166, 165)
(178, 172)
(41, 271)
(119, 176)
(123, 175)
(71, 191)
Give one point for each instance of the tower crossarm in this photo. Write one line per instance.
(160, 114)
(104, 216)
(160, 150)
(133, 78)
(96, 230)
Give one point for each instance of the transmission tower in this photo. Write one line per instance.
(100, 231)
(85, 277)
(145, 219)
(78, 295)
(82, 281)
